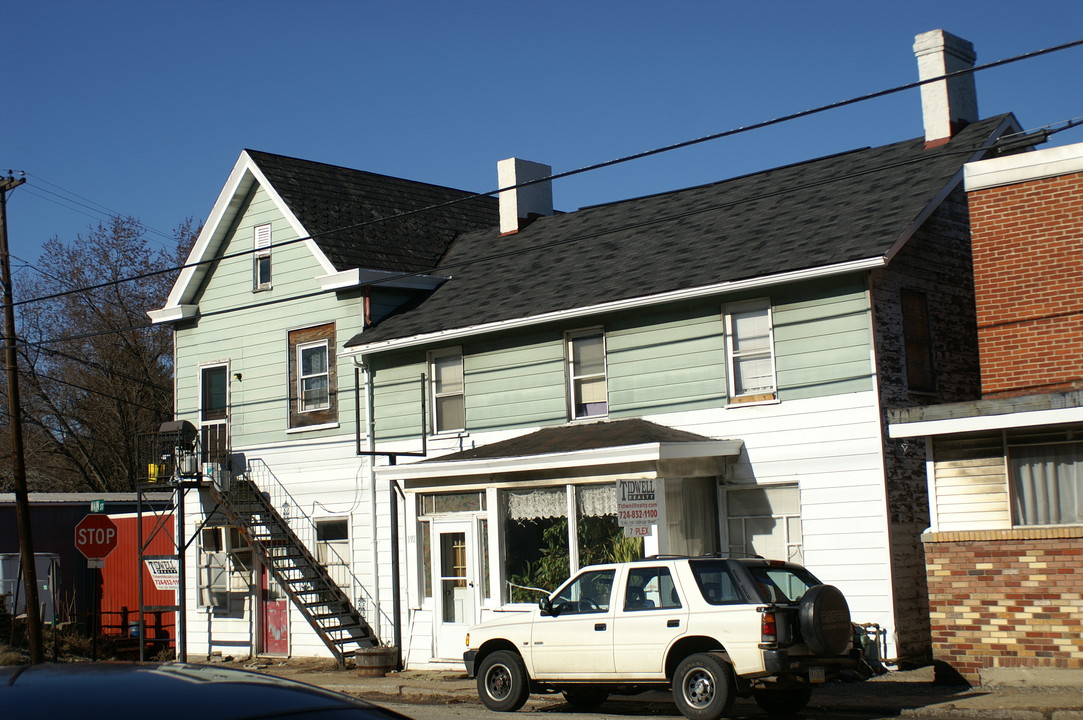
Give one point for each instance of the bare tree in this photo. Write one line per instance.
(97, 375)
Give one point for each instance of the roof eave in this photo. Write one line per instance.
(1008, 124)
(623, 455)
(615, 306)
(356, 277)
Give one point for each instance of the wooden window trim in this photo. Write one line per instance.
(299, 418)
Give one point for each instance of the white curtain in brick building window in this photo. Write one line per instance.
(1047, 484)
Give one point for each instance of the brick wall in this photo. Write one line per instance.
(1028, 267)
(936, 262)
(1006, 599)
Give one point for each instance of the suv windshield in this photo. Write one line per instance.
(782, 584)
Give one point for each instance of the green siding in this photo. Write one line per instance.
(249, 330)
(659, 360)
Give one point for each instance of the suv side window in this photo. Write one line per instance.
(588, 593)
(782, 584)
(716, 584)
(650, 588)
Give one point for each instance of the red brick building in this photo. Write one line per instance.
(1004, 553)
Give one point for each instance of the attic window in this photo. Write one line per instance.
(261, 258)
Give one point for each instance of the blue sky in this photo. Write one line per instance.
(142, 108)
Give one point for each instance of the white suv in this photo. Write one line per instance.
(710, 628)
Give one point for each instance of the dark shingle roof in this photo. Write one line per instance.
(328, 197)
(577, 437)
(841, 208)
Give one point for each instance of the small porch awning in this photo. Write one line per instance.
(585, 451)
(987, 414)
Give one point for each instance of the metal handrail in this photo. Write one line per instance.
(304, 527)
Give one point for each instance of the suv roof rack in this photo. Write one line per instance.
(726, 555)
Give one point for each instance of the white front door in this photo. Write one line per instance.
(455, 586)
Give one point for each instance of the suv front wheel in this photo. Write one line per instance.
(503, 685)
(703, 687)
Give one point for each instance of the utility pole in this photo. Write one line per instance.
(15, 425)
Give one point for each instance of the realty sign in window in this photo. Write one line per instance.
(638, 503)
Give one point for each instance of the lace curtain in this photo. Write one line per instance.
(591, 501)
(532, 504)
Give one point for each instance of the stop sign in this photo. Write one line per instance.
(96, 536)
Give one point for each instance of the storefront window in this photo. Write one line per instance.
(536, 541)
(537, 536)
(600, 538)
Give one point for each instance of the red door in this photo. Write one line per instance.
(274, 617)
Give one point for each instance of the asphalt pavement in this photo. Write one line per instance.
(915, 693)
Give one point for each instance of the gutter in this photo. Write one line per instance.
(617, 305)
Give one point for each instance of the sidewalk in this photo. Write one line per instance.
(898, 693)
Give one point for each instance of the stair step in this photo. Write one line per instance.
(344, 641)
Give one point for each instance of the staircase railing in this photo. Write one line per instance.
(304, 528)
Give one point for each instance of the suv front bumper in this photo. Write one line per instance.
(470, 660)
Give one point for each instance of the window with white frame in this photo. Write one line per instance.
(225, 567)
(1046, 483)
(214, 413)
(587, 386)
(750, 354)
(313, 386)
(261, 257)
(447, 389)
(765, 520)
(312, 376)
(333, 548)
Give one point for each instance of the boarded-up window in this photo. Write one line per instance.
(920, 375)
(312, 377)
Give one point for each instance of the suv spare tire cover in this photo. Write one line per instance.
(825, 620)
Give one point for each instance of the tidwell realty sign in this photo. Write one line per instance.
(638, 502)
(164, 572)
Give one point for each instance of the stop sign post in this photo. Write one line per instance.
(96, 537)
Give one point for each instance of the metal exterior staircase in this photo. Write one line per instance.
(306, 582)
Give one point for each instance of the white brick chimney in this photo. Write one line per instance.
(518, 205)
(948, 105)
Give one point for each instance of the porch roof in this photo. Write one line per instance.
(620, 447)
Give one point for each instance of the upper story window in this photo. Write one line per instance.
(312, 376)
(261, 257)
(587, 387)
(214, 413)
(920, 374)
(447, 389)
(750, 351)
(214, 401)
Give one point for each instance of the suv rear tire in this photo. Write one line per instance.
(703, 687)
(503, 685)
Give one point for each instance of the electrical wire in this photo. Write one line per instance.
(601, 165)
(657, 219)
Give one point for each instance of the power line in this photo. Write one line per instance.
(102, 212)
(968, 150)
(605, 164)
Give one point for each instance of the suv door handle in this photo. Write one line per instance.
(673, 623)
(599, 626)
